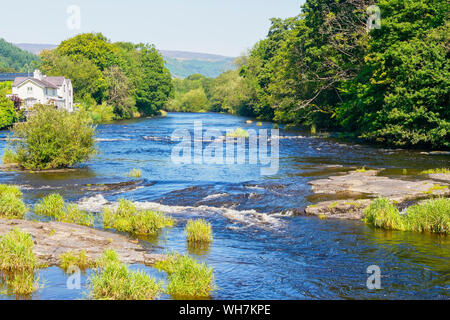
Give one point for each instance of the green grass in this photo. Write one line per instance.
(23, 283)
(438, 170)
(76, 259)
(135, 173)
(238, 133)
(114, 281)
(127, 218)
(187, 277)
(54, 206)
(259, 124)
(11, 204)
(199, 231)
(436, 187)
(363, 169)
(430, 216)
(16, 252)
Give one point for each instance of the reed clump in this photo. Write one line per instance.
(114, 281)
(199, 231)
(127, 218)
(11, 204)
(187, 278)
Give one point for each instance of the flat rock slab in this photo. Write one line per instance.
(373, 186)
(52, 239)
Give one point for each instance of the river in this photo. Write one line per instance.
(261, 248)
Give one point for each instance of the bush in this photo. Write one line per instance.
(11, 204)
(114, 281)
(9, 157)
(198, 231)
(127, 218)
(53, 139)
(54, 206)
(187, 278)
(430, 216)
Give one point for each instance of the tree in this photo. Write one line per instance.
(8, 113)
(154, 86)
(119, 92)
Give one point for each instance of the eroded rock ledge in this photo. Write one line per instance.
(371, 185)
(54, 238)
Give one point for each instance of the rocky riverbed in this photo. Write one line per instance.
(369, 184)
(51, 239)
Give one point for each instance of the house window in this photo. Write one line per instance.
(30, 89)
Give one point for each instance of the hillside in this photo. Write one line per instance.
(180, 63)
(13, 58)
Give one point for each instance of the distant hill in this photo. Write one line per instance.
(181, 64)
(35, 48)
(14, 59)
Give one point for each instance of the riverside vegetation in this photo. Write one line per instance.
(198, 231)
(429, 216)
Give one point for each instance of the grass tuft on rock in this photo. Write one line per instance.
(135, 173)
(11, 204)
(437, 170)
(72, 259)
(238, 133)
(16, 252)
(187, 277)
(54, 206)
(114, 281)
(199, 231)
(429, 216)
(127, 218)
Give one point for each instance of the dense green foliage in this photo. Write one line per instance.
(8, 114)
(130, 78)
(14, 59)
(429, 216)
(52, 139)
(325, 69)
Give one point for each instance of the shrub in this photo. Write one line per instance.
(127, 218)
(11, 204)
(114, 281)
(187, 278)
(54, 206)
(198, 231)
(238, 133)
(135, 173)
(80, 260)
(16, 252)
(430, 216)
(9, 157)
(53, 139)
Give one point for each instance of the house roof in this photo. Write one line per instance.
(57, 81)
(43, 83)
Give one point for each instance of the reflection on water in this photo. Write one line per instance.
(258, 252)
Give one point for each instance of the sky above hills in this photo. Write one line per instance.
(212, 26)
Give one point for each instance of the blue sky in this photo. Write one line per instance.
(227, 27)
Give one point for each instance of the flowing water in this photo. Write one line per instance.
(261, 248)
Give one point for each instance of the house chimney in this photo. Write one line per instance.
(37, 74)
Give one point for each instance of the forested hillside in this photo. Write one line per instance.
(325, 68)
(14, 59)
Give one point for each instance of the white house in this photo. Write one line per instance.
(44, 90)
